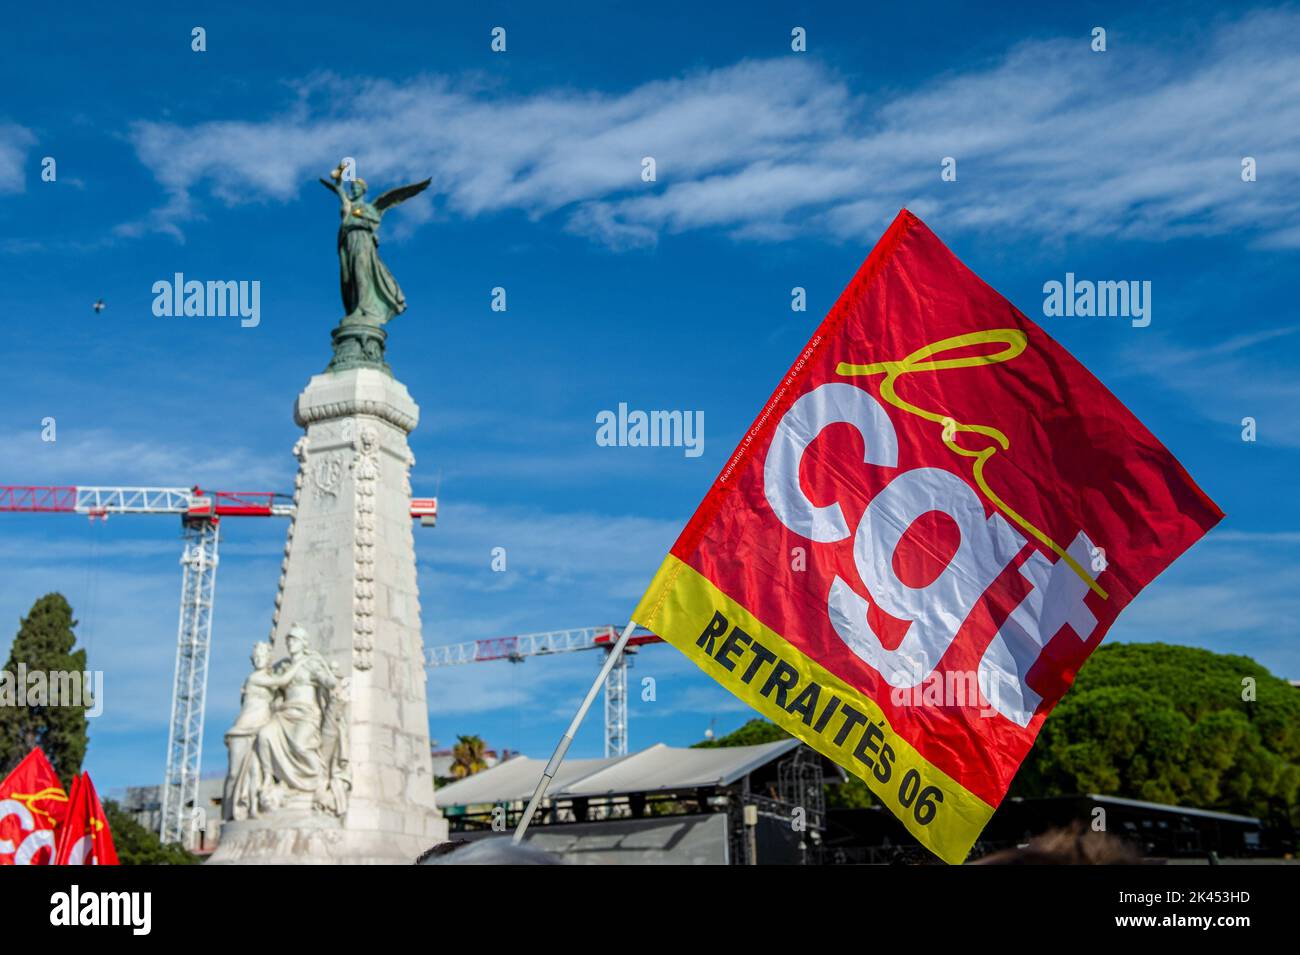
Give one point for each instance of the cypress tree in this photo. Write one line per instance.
(45, 644)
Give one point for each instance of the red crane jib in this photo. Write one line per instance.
(49, 500)
(637, 641)
(233, 503)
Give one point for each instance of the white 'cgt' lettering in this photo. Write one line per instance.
(938, 609)
(830, 404)
(33, 842)
(935, 612)
(1055, 600)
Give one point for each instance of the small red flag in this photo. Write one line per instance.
(32, 806)
(84, 838)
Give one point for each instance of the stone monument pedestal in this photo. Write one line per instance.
(349, 581)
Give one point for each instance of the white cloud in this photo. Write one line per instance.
(1255, 537)
(15, 140)
(706, 699)
(1246, 380)
(562, 570)
(1236, 592)
(1053, 139)
(103, 456)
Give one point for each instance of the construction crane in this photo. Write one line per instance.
(200, 513)
(519, 648)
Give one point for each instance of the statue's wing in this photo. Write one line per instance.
(328, 185)
(393, 196)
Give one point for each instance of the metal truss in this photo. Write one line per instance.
(194, 635)
(516, 649)
(616, 708)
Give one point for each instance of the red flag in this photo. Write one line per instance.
(925, 533)
(32, 806)
(84, 838)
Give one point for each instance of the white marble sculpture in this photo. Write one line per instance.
(289, 745)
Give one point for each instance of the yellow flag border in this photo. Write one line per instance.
(680, 606)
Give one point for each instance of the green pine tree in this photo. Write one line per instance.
(45, 643)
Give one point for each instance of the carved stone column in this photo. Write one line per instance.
(349, 580)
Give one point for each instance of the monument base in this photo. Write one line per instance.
(358, 346)
(312, 839)
(342, 764)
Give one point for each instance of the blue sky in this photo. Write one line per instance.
(774, 170)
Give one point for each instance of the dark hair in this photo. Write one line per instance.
(497, 850)
(441, 849)
(1075, 845)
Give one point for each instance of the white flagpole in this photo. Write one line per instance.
(563, 747)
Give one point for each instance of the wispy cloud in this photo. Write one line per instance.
(15, 140)
(104, 456)
(1143, 141)
(1246, 380)
(1239, 595)
(1254, 537)
(562, 569)
(703, 699)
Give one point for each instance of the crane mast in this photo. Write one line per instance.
(190, 682)
(518, 648)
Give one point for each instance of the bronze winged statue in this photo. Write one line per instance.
(371, 296)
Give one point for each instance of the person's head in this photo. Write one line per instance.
(296, 641)
(1075, 845)
(358, 188)
(496, 850)
(261, 655)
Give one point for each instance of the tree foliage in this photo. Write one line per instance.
(137, 845)
(1169, 724)
(853, 793)
(1155, 722)
(468, 756)
(751, 734)
(44, 643)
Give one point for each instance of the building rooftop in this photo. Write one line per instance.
(658, 768)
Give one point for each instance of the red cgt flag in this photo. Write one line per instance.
(32, 806)
(927, 530)
(84, 838)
